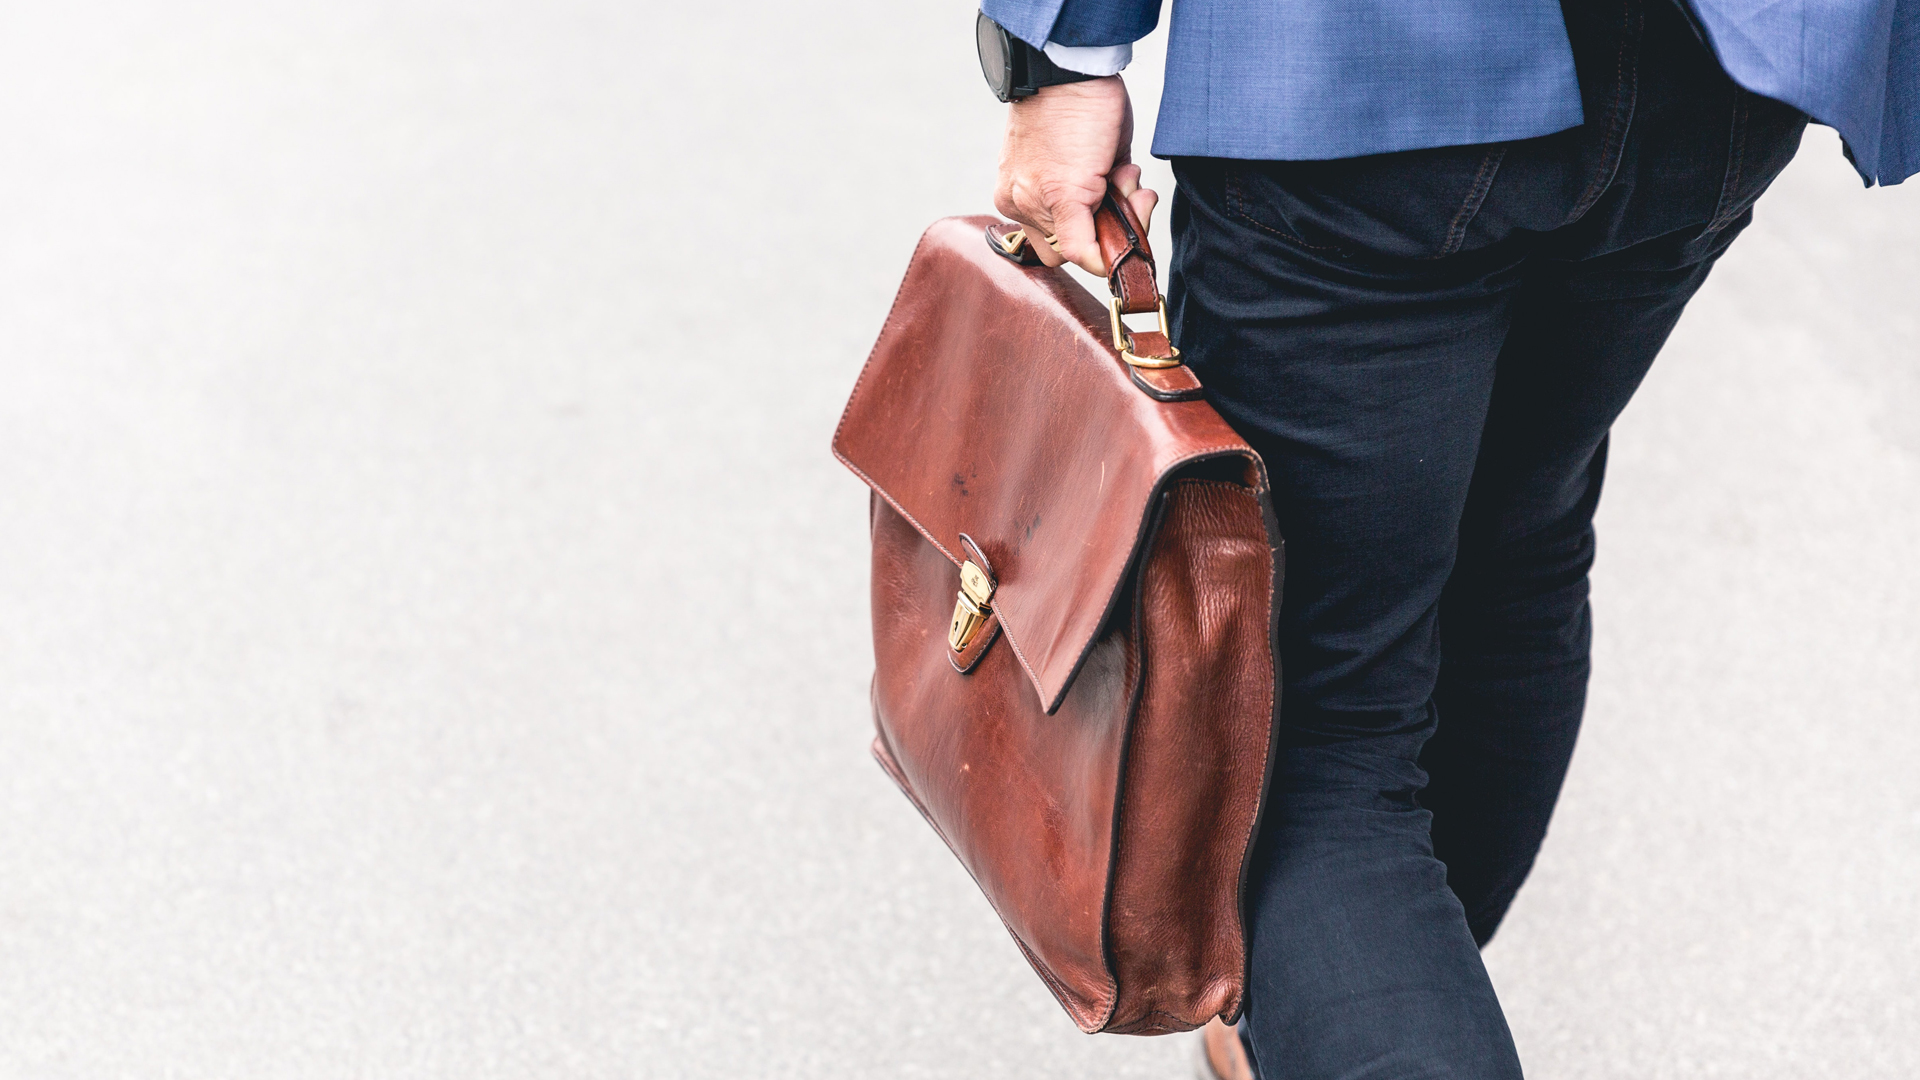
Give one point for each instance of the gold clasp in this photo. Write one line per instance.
(1123, 341)
(1011, 242)
(971, 607)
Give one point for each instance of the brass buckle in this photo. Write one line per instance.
(1123, 341)
(1012, 242)
(971, 607)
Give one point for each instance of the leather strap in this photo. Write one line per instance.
(1130, 276)
(1123, 247)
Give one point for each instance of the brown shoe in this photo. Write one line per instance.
(1221, 1056)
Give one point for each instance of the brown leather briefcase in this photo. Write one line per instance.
(1075, 572)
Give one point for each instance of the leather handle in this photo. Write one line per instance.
(1130, 274)
(1123, 247)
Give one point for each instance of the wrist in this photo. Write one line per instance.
(1100, 90)
(1015, 69)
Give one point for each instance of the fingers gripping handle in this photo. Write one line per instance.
(1123, 247)
(1153, 364)
(1130, 276)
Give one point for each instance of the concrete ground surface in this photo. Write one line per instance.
(433, 631)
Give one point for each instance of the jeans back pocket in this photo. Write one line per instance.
(1416, 204)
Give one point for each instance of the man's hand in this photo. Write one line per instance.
(1062, 145)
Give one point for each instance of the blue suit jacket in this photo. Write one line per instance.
(1301, 79)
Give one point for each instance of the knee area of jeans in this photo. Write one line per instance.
(1520, 736)
(1383, 763)
(1343, 852)
(1484, 925)
(1309, 887)
(1349, 808)
(1521, 583)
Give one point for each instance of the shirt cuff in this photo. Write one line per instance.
(1090, 59)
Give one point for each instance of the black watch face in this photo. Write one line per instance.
(996, 56)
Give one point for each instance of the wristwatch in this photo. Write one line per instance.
(1015, 69)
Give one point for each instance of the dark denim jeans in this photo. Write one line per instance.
(1428, 349)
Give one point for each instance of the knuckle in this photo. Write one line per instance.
(1055, 193)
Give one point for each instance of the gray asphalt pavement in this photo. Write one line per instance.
(433, 631)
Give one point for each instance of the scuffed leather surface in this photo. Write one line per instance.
(959, 424)
(1024, 799)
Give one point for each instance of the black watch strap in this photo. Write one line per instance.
(1042, 71)
(1015, 69)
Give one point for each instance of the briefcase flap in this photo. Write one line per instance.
(994, 404)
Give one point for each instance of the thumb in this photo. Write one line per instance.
(1142, 200)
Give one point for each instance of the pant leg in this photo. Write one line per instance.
(1600, 300)
(1364, 383)
(1515, 626)
(1362, 324)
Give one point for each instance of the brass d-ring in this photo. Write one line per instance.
(1123, 341)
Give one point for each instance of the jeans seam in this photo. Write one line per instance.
(1619, 117)
(1730, 201)
(1470, 206)
(1236, 205)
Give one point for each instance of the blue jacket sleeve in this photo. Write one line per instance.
(1075, 22)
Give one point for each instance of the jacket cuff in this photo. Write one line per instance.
(1028, 20)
